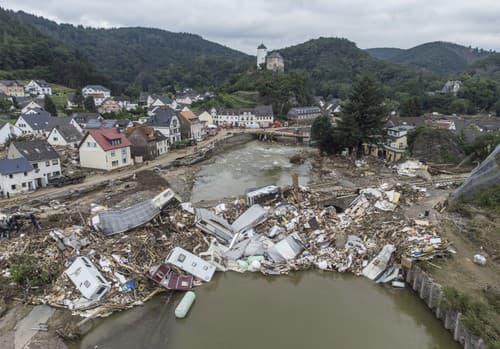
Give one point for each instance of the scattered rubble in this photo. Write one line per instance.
(179, 247)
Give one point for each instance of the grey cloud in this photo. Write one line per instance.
(243, 24)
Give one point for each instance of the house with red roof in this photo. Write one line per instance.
(105, 149)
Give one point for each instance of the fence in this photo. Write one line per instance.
(432, 293)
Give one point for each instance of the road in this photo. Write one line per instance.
(117, 174)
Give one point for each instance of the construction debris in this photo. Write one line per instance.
(178, 247)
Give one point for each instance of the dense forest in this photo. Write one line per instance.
(25, 53)
(145, 57)
(438, 57)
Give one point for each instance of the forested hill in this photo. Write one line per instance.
(26, 53)
(333, 63)
(438, 57)
(150, 58)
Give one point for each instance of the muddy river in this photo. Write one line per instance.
(303, 310)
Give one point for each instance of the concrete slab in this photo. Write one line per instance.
(24, 329)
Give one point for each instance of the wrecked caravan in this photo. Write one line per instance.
(112, 222)
(87, 279)
(214, 225)
(191, 264)
(261, 195)
(287, 249)
(249, 219)
(164, 276)
(378, 265)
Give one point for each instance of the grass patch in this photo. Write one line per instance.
(480, 318)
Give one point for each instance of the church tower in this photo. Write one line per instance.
(261, 55)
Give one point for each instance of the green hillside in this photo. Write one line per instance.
(438, 57)
(26, 53)
(150, 58)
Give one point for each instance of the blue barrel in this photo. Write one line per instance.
(185, 304)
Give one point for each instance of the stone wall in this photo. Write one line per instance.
(432, 293)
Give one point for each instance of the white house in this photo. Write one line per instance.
(7, 131)
(105, 149)
(38, 88)
(65, 135)
(42, 157)
(206, 118)
(33, 124)
(30, 106)
(87, 279)
(16, 176)
(167, 122)
(98, 92)
(260, 116)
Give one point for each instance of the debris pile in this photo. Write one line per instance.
(95, 273)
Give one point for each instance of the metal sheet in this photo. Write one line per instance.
(249, 219)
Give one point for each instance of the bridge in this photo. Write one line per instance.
(299, 134)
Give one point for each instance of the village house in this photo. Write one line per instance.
(83, 118)
(146, 143)
(37, 112)
(33, 124)
(8, 131)
(205, 118)
(98, 92)
(124, 103)
(38, 88)
(65, 135)
(42, 157)
(12, 88)
(259, 116)
(167, 122)
(16, 176)
(394, 146)
(109, 105)
(30, 105)
(105, 149)
(303, 115)
(191, 127)
(396, 143)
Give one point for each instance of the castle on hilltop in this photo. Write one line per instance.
(274, 61)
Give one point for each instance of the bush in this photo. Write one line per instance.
(26, 271)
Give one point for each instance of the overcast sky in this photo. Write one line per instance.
(243, 24)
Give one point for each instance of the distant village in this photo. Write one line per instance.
(32, 138)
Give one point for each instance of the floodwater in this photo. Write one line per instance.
(248, 166)
(310, 309)
(304, 310)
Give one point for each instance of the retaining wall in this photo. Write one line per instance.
(432, 294)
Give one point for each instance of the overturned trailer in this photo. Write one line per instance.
(262, 195)
(111, 222)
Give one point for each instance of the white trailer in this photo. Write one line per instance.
(87, 279)
(191, 264)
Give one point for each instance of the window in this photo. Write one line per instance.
(54, 139)
(24, 185)
(11, 176)
(193, 264)
(47, 163)
(181, 258)
(56, 173)
(114, 163)
(86, 283)
(35, 165)
(113, 153)
(13, 187)
(55, 162)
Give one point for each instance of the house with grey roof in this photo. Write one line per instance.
(166, 121)
(33, 124)
(16, 176)
(42, 157)
(8, 131)
(38, 88)
(83, 118)
(65, 135)
(303, 115)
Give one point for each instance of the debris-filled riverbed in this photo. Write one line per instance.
(119, 257)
